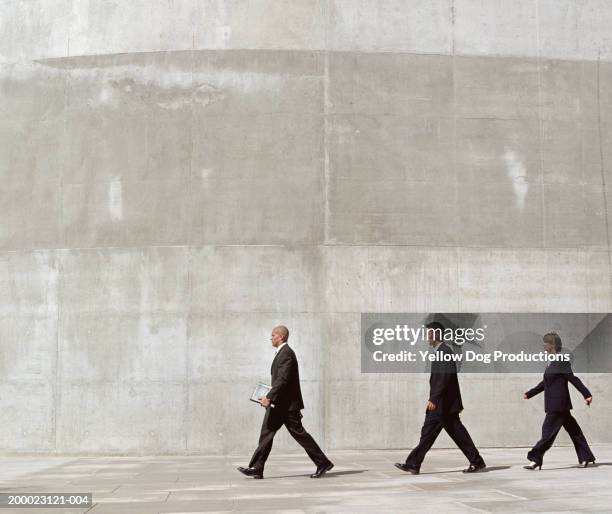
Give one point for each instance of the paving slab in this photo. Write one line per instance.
(361, 482)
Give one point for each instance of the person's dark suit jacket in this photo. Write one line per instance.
(443, 384)
(554, 385)
(285, 394)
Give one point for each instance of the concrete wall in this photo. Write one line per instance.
(180, 176)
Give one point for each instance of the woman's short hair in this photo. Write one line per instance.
(554, 339)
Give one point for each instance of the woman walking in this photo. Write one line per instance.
(557, 405)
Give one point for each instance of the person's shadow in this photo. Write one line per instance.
(485, 470)
(329, 474)
(596, 465)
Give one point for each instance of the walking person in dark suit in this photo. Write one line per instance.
(557, 405)
(283, 404)
(442, 410)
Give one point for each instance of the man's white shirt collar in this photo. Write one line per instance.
(278, 348)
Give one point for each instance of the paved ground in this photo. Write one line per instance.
(362, 482)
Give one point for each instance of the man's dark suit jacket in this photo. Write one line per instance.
(285, 394)
(443, 384)
(554, 385)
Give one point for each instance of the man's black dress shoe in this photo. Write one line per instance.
(321, 470)
(475, 468)
(251, 472)
(586, 463)
(407, 469)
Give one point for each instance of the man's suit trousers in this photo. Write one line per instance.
(293, 421)
(433, 425)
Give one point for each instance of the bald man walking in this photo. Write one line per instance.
(283, 404)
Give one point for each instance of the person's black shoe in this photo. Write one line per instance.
(533, 466)
(321, 470)
(251, 472)
(407, 469)
(475, 468)
(586, 463)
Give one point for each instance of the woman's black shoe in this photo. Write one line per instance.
(533, 466)
(586, 463)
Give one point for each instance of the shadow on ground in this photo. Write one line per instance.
(486, 470)
(331, 474)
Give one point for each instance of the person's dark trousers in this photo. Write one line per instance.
(550, 428)
(433, 425)
(293, 421)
